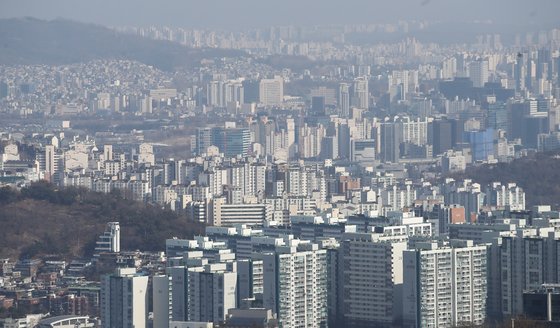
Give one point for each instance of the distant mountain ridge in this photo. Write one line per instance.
(30, 41)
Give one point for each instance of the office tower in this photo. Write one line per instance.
(110, 240)
(124, 299)
(497, 118)
(481, 142)
(224, 214)
(344, 99)
(271, 91)
(250, 91)
(441, 136)
(526, 260)
(317, 106)
(329, 148)
(516, 113)
(161, 296)
(453, 161)
(444, 285)
(231, 141)
(542, 304)
(372, 271)
(360, 96)
(478, 73)
(328, 93)
(390, 141)
(295, 284)
(212, 291)
(363, 151)
(344, 140)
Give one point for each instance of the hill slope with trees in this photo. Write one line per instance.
(42, 220)
(538, 175)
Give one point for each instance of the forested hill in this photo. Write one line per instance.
(538, 175)
(30, 41)
(42, 220)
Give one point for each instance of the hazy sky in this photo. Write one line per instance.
(231, 14)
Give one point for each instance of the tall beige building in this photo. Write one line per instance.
(271, 91)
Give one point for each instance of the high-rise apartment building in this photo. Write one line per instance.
(344, 99)
(124, 299)
(372, 271)
(295, 284)
(162, 302)
(444, 285)
(360, 97)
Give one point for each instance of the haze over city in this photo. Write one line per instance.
(279, 164)
(257, 13)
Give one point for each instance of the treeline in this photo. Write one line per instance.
(44, 220)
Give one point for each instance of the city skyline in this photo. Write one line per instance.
(279, 164)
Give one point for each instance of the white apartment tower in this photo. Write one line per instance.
(372, 270)
(108, 152)
(361, 93)
(124, 300)
(444, 285)
(295, 284)
(344, 99)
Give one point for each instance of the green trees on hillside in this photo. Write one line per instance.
(44, 220)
